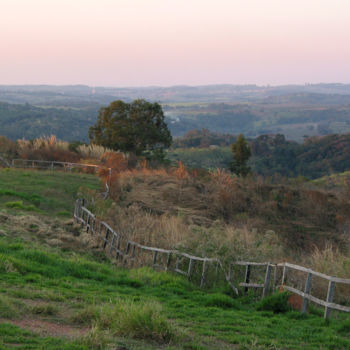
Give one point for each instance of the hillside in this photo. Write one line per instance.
(68, 111)
(59, 291)
(271, 154)
(27, 121)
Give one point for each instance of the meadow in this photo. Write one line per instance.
(58, 290)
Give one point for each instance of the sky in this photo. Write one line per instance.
(174, 42)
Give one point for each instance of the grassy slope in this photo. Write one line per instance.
(47, 284)
(49, 192)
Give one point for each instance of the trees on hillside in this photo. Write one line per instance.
(241, 153)
(138, 127)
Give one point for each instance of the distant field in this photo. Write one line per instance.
(42, 191)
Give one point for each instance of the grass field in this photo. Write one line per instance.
(42, 191)
(54, 297)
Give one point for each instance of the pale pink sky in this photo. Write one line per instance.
(169, 42)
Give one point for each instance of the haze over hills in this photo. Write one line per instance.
(51, 94)
(293, 110)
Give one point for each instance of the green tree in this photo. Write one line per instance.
(241, 153)
(138, 127)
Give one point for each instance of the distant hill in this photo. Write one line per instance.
(292, 110)
(27, 121)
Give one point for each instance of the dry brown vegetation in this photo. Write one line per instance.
(234, 218)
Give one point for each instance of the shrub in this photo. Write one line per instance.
(20, 205)
(278, 303)
(141, 321)
(221, 300)
(46, 148)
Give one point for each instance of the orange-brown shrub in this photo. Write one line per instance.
(181, 172)
(114, 160)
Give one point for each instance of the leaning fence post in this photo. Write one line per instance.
(330, 295)
(247, 277)
(155, 254)
(267, 280)
(106, 238)
(306, 291)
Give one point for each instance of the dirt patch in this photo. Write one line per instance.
(46, 328)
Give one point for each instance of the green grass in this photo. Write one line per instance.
(159, 308)
(132, 309)
(45, 191)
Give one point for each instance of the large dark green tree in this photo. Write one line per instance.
(138, 127)
(241, 153)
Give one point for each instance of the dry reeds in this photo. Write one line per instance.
(92, 151)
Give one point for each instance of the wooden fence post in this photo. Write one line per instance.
(112, 244)
(190, 269)
(306, 291)
(330, 295)
(284, 275)
(155, 254)
(247, 277)
(204, 270)
(267, 280)
(88, 223)
(106, 238)
(168, 262)
(118, 246)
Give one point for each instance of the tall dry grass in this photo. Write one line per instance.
(46, 148)
(92, 151)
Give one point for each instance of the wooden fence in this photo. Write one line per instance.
(271, 282)
(128, 251)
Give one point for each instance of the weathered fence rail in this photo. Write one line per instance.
(183, 264)
(54, 165)
(306, 293)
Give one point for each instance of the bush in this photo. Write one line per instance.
(20, 205)
(140, 321)
(221, 300)
(278, 303)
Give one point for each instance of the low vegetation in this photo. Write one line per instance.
(81, 302)
(59, 290)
